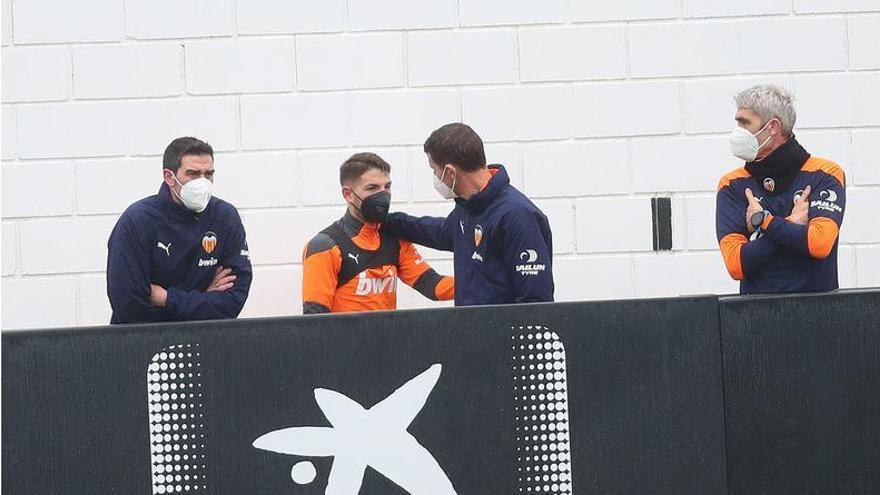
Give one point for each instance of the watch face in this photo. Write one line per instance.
(757, 218)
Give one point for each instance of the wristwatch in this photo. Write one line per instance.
(758, 217)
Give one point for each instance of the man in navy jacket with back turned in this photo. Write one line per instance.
(181, 254)
(502, 244)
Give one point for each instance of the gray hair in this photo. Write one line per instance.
(769, 101)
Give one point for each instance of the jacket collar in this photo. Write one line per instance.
(481, 200)
(353, 226)
(777, 171)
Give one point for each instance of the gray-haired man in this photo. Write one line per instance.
(778, 217)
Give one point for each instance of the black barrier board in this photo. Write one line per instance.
(613, 397)
(802, 393)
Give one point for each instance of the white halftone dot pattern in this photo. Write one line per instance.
(541, 411)
(177, 420)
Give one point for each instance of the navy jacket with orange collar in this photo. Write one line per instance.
(502, 244)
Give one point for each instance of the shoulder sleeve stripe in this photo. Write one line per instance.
(821, 236)
(731, 249)
(816, 164)
(729, 177)
(320, 272)
(320, 243)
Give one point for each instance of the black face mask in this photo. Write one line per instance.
(375, 207)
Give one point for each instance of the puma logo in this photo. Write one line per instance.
(166, 248)
(355, 257)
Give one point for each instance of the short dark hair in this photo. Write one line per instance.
(358, 164)
(458, 144)
(182, 147)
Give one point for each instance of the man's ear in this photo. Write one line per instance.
(776, 126)
(168, 177)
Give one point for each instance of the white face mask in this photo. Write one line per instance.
(744, 145)
(195, 194)
(444, 190)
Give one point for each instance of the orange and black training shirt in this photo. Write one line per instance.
(354, 266)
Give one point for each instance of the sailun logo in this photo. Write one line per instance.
(828, 195)
(530, 256)
(827, 201)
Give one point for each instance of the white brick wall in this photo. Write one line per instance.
(38, 189)
(239, 66)
(626, 109)
(36, 73)
(594, 107)
(581, 168)
(813, 6)
(360, 61)
(864, 45)
(151, 125)
(659, 164)
(400, 117)
(625, 10)
(707, 102)
(93, 303)
(9, 248)
(372, 15)
(482, 56)
(9, 144)
(6, 15)
(291, 16)
(294, 121)
(495, 12)
(711, 47)
(95, 196)
(868, 265)
(613, 225)
(808, 44)
(146, 69)
(681, 274)
(84, 242)
(866, 148)
(720, 8)
(519, 113)
(150, 19)
(47, 21)
(563, 53)
(71, 130)
(39, 302)
(838, 99)
(243, 174)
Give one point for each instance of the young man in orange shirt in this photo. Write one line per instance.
(353, 265)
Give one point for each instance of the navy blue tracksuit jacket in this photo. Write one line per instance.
(161, 242)
(502, 244)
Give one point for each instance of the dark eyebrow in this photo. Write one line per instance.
(742, 120)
